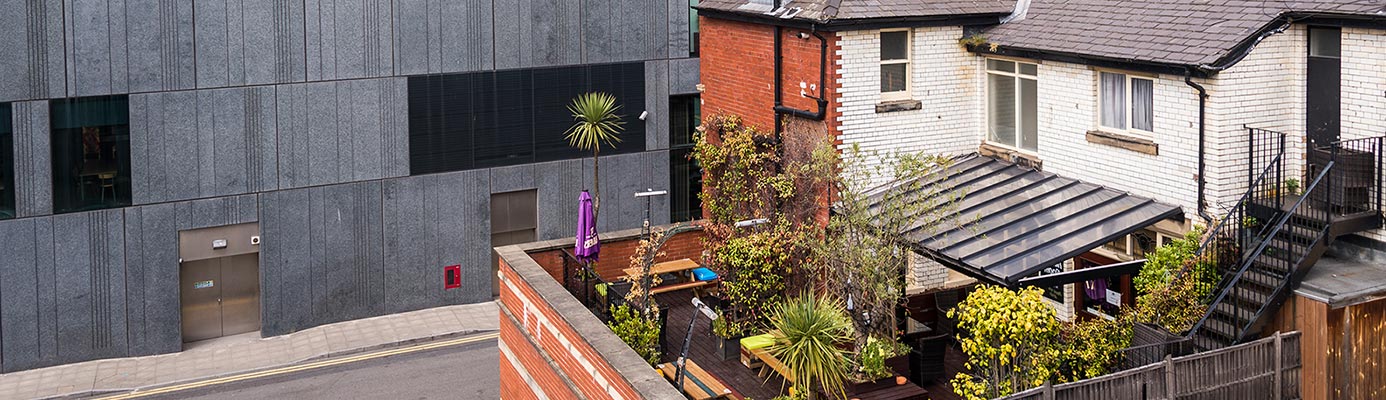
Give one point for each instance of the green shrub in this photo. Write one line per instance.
(640, 333)
(871, 358)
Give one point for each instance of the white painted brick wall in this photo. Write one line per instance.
(1068, 110)
(943, 80)
(1364, 89)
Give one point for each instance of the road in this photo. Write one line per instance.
(453, 371)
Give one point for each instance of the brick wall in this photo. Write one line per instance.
(553, 347)
(738, 70)
(616, 254)
(944, 79)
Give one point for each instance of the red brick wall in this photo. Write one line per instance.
(738, 70)
(615, 255)
(531, 329)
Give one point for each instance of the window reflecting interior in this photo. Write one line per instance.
(1013, 104)
(693, 34)
(685, 176)
(6, 162)
(91, 153)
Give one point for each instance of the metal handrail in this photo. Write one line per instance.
(1248, 261)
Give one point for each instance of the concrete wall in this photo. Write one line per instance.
(292, 114)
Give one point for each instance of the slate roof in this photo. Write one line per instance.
(829, 10)
(1180, 32)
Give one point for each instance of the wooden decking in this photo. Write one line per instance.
(703, 349)
(743, 381)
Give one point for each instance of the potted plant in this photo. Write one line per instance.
(809, 332)
(878, 366)
(730, 332)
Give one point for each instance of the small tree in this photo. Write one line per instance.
(1010, 341)
(864, 253)
(597, 124)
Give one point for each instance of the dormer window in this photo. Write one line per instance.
(895, 65)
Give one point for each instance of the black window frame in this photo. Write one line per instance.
(81, 183)
(685, 175)
(8, 208)
(500, 118)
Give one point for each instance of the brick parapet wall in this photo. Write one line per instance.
(553, 347)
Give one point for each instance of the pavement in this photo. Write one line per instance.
(243, 353)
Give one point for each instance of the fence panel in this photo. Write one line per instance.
(1245, 371)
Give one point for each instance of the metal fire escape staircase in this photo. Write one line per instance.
(1274, 234)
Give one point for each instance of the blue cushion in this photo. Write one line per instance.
(704, 274)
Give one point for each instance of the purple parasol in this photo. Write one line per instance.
(588, 244)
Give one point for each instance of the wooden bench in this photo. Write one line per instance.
(681, 286)
(769, 362)
(697, 383)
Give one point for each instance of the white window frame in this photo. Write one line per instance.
(1130, 106)
(986, 69)
(908, 61)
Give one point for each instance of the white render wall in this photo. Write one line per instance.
(1364, 89)
(944, 79)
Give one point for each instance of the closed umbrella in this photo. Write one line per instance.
(588, 244)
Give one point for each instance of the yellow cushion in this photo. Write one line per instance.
(758, 341)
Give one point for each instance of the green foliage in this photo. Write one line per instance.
(639, 332)
(808, 331)
(1091, 348)
(597, 123)
(1292, 186)
(1010, 340)
(728, 328)
(862, 255)
(757, 266)
(871, 359)
(1173, 284)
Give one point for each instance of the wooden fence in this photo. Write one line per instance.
(1264, 369)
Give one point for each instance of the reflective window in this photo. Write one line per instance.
(685, 176)
(6, 162)
(491, 119)
(693, 28)
(895, 64)
(91, 153)
(1013, 104)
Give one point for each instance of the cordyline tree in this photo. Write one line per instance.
(595, 124)
(881, 205)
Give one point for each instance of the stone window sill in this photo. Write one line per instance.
(898, 105)
(1128, 142)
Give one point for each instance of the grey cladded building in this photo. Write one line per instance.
(178, 170)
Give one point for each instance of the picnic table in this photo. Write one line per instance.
(907, 391)
(697, 383)
(682, 266)
(768, 363)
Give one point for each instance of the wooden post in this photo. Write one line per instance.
(1048, 390)
(1279, 366)
(1169, 378)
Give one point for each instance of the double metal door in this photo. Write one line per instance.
(220, 296)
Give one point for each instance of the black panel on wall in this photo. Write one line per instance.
(6, 162)
(491, 119)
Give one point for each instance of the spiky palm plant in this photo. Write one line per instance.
(807, 331)
(597, 124)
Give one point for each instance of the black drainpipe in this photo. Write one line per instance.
(1202, 129)
(780, 108)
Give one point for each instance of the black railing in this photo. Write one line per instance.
(1225, 240)
(1356, 180)
(580, 280)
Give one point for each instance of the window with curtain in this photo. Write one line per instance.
(6, 163)
(685, 176)
(91, 153)
(1013, 104)
(895, 65)
(1127, 102)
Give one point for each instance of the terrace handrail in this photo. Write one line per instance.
(1264, 243)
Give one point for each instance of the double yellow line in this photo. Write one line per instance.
(304, 367)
